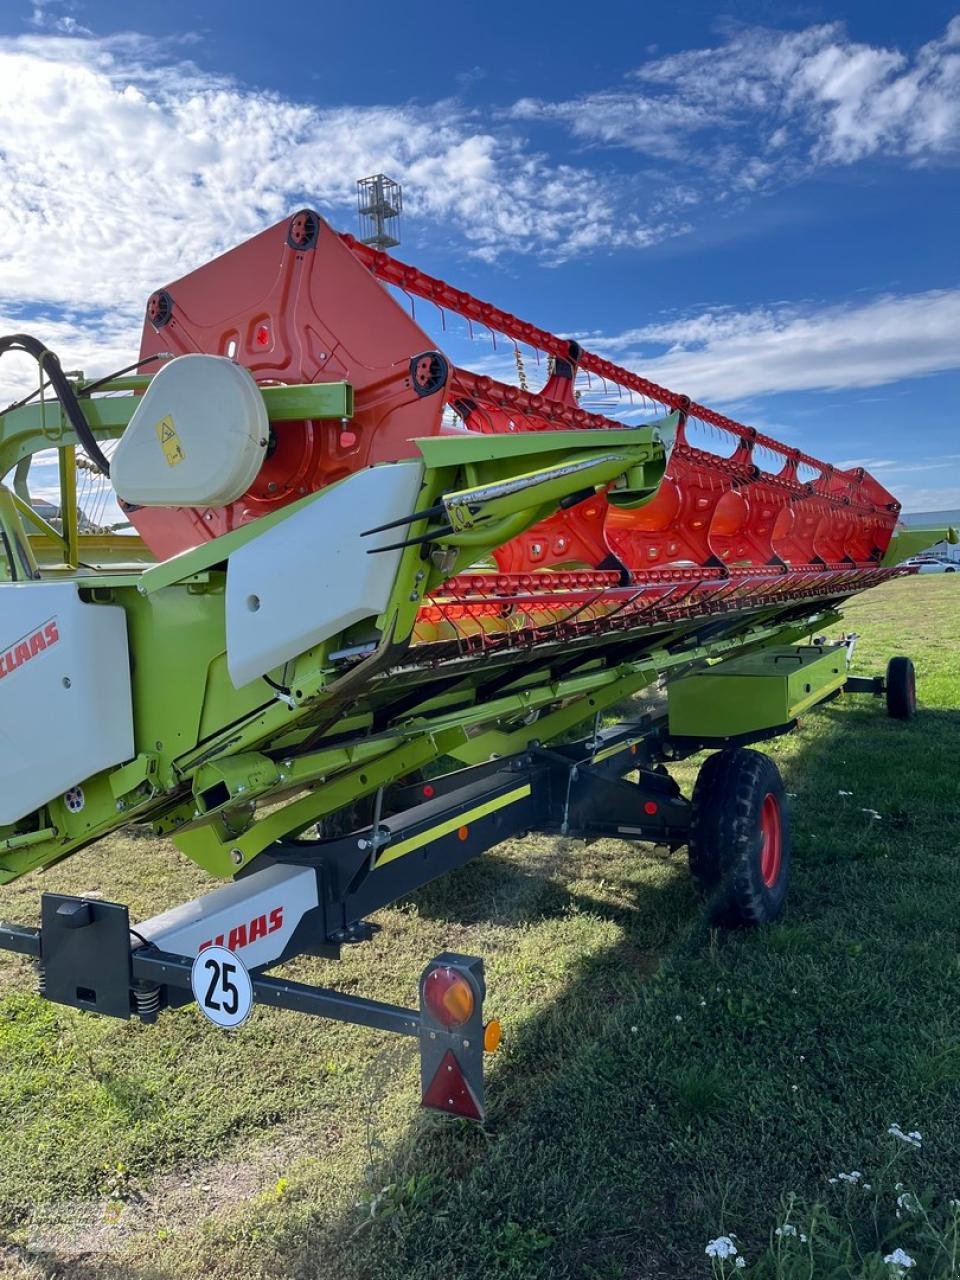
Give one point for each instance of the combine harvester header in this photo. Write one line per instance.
(371, 595)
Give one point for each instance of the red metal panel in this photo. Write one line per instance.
(295, 311)
(648, 535)
(300, 303)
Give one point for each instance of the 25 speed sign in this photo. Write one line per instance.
(222, 987)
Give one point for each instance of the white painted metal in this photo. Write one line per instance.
(311, 575)
(65, 704)
(254, 917)
(197, 438)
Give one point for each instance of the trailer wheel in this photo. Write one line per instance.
(739, 846)
(901, 689)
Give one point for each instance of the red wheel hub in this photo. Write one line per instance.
(771, 835)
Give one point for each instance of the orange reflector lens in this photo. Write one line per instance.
(448, 996)
(492, 1035)
(449, 1091)
(462, 833)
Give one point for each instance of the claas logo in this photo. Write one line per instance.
(28, 646)
(242, 935)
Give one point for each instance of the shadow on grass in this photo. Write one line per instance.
(672, 1079)
(495, 888)
(682, 1080)
(54, 1265)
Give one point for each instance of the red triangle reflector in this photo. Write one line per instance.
(448, 1091)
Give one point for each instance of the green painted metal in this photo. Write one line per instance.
(763, 690)
(17, 557)
(200, 769)
(907, 542)
(226, 772)
(466, 448)
(113, 553)
(44, 425)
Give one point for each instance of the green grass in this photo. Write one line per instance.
(661, 1084)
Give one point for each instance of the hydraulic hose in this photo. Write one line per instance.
(50, 365)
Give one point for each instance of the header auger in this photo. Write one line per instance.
(371, 594)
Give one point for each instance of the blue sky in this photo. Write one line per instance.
(756, 206)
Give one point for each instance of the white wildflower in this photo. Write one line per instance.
(899, 1259)
(740, 1263)
(853, 1178)
(788, 1229)
(844, 793)
(722, 1247)
(872, 813)
(803, 1238)
(908, 1201)
(678, 1018)
(703, 1004)
(634, 1030)
(954, 1204)
(912, 1138)
(795, 1087)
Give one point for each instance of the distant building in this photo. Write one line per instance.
(936, 519)
(51, 513)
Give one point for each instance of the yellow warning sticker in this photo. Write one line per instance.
(169, 441)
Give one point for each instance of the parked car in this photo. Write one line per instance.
(931, 564)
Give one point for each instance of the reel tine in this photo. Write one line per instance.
(429, 513)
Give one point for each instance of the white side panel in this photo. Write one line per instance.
(310, 576)
(65, 706)
(197, 438)
(255, 916)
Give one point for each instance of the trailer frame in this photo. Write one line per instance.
(612, 783)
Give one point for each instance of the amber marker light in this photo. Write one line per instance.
(492, 1035)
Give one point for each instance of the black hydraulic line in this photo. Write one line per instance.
(50, 364)
(90, 387)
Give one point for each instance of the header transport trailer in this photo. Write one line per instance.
(370, 619)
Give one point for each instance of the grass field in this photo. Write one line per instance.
(660, 1085)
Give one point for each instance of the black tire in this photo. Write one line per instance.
(950, 570)
(901, 689)
(739, 846)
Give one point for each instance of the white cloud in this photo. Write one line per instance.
(122, 166)
(45, 17)
(725, 356)
(920, 498)
(765, 106)
(91, 345)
